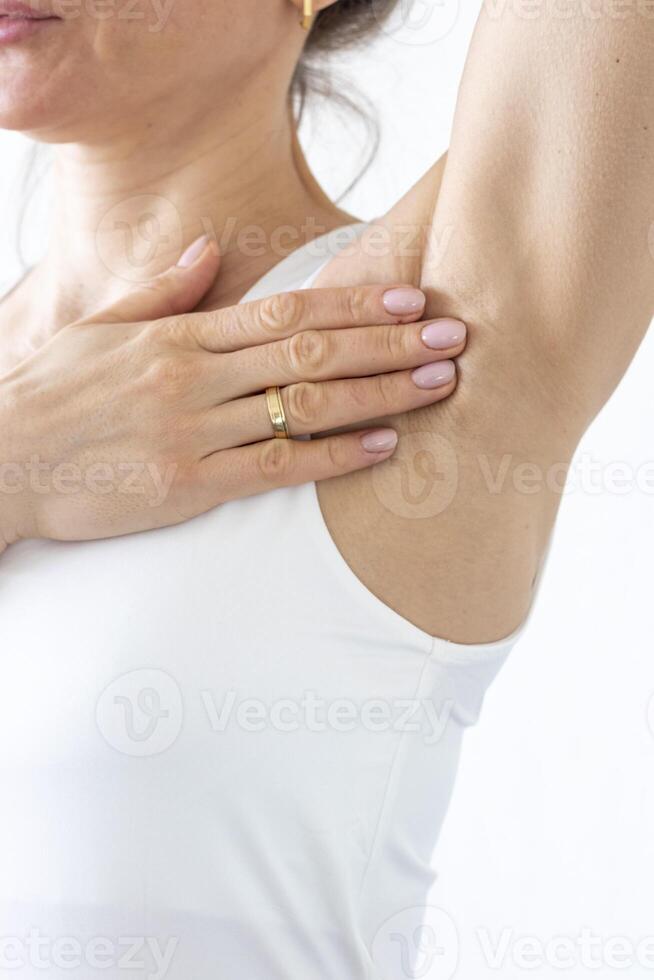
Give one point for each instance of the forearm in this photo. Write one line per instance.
(544, 220)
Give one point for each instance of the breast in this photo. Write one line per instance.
(203, 738)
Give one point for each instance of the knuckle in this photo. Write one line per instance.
(169, 376)
(356, 300)
(233, 324)
(184, 495)
(159, 293)
(176, 330)
(281, 313)
(384, 391)
(185, 474)
(275, 461)
(162, 290)
(336, 453)
(308, 353)
(159, 430)
(306, 404)
(181, 430)
(359, 395)
(396, 342)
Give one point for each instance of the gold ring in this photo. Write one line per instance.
(276, 412)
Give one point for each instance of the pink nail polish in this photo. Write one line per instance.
(404, 301)
(443, 334)
(193, 252)
(434, 375)
(379, 440)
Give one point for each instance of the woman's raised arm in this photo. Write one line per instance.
(547, 201)
(542, 240)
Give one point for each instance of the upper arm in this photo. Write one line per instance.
(548, 193)
(538, 235)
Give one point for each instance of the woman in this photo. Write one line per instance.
(228, 744)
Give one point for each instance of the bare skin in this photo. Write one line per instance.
(512, 237)
(551, 265)
(466, 545)
(178, 404)
(183, 394)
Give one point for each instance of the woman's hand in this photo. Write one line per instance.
(144, 416)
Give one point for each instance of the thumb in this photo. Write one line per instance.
(175, 291)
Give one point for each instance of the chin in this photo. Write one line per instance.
(45, 107)
(30, 96)
(32, 117)
(49, 81)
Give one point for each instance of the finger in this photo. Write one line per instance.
(313, 408)
(277, 317)
(325, 355)
(176, 291)
(265, 466)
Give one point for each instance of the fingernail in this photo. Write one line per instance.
(193, 252)
(443, 334)
(379, 440)
(434, 375)
(404, 301)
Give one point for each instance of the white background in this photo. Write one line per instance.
(552, 826)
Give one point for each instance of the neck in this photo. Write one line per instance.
(126, 211)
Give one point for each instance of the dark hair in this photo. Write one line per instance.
(345, 23)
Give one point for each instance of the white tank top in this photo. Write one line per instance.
(221, 756)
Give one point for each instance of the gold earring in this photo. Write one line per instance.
(307, 15)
